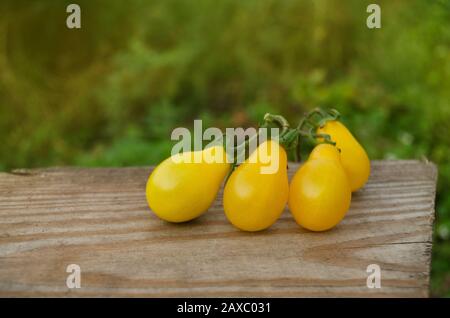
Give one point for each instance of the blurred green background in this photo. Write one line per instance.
(111, 93)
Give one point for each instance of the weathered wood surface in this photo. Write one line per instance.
(99, 219)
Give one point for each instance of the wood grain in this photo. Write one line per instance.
(99, 219)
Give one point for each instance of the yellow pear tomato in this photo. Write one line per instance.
(353, 156)
(256, 193)
(185, 185)
(320, 194)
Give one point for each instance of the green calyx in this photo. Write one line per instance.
(319, 117)
(291, 138)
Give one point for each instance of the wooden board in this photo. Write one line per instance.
(99, 219)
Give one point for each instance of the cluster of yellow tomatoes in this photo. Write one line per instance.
(318, 195)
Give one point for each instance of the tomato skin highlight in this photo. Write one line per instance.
(180, 191)
(320, 194)
(252, 200)
(354, 158)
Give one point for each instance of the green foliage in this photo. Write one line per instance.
(111, 93)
